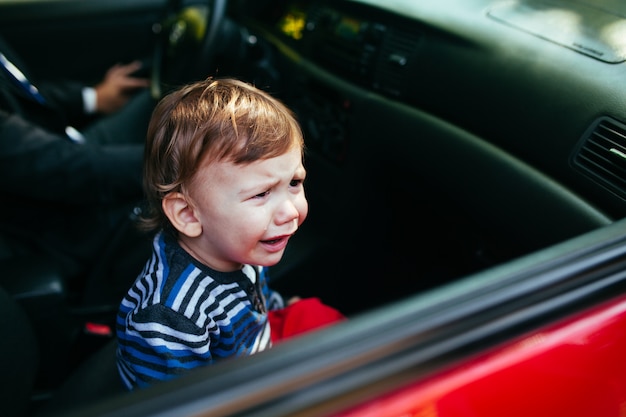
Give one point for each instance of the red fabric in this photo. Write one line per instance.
(300, 317)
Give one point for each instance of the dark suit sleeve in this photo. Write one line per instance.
(37, 164)
(66, 96)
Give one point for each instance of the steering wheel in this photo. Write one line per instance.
(186, 44)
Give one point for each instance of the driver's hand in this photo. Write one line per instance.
(114, 91)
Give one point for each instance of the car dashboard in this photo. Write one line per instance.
(482, 130)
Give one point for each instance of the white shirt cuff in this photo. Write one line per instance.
(89, 100)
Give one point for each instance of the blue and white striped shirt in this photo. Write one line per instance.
(180, 314)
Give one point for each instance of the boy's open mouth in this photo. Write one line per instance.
(273, 241)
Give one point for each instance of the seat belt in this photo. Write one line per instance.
(19, 79)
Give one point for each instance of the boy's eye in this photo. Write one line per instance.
(261, 195)
(295, 183)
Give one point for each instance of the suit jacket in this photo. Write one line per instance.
(58, 197)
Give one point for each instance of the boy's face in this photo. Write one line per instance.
(247, 212)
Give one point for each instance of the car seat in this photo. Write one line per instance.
(95, 379)
(60, 314)
(44, 348)
(19, 353)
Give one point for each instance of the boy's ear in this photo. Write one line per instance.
(181, 214)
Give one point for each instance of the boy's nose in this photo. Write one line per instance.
(287, 212)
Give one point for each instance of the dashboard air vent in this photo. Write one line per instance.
(396, 59)
(601, 155)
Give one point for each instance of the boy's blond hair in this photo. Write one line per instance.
(210, 120)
